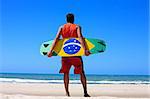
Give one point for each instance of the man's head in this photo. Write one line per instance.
(70, 18)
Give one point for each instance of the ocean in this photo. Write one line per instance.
(74, 79)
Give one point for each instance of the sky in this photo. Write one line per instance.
(122, 24)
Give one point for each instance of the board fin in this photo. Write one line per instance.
(44, 53)
(100, 51)
(45, 45)
(101, 43)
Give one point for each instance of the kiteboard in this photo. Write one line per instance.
(72, 47)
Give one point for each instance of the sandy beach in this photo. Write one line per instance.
(56, 91)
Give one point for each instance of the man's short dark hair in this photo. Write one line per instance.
(70, 18)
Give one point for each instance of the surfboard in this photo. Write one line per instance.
(72, 47)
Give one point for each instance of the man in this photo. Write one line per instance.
(71, 30)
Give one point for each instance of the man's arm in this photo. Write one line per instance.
(55, 41)
(81, 39)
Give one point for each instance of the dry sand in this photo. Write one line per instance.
(56, 91)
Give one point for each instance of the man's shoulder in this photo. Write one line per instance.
(61, 26)
(78, 26)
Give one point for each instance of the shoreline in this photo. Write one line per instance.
(57, 91)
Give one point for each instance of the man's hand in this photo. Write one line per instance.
(49, 54)
(87, 53)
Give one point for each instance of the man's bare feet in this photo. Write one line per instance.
(68, 94)
(87, 95)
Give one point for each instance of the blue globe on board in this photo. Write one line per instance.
(71, 46)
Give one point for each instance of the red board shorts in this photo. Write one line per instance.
(67, 62)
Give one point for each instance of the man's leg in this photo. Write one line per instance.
(66, 83)
(84, 84)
